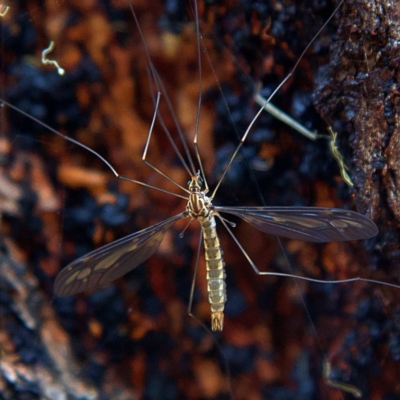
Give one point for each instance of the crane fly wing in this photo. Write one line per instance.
(102, 266)
(313, 224)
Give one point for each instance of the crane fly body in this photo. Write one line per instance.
(199, 207)
(110, 262)
(102, 266)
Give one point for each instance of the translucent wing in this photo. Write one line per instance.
(313, 224)
(102, 266)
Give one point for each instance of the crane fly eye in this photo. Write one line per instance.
(188, 183)
(200, 182)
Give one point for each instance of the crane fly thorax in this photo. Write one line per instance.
(199, 205)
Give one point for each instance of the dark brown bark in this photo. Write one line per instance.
(359, 93)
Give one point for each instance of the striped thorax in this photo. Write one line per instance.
(199, 207)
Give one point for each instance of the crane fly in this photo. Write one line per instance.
(315, 224)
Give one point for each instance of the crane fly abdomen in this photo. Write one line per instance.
(216, 285)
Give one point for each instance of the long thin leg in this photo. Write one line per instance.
(268, 100)
(288, 120)
(196, 131)
(153, 74)
(69, 139)
(285, 118)
(211, 66)
(147, 146)
(189, 310)
(304, 278)
(345, 387)
(162, 89)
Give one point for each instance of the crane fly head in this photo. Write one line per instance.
(195, 184)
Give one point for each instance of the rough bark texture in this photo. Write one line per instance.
(359, 92)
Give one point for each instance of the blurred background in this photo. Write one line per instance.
(134, 339)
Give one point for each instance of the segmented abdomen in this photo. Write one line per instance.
(216, 285)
